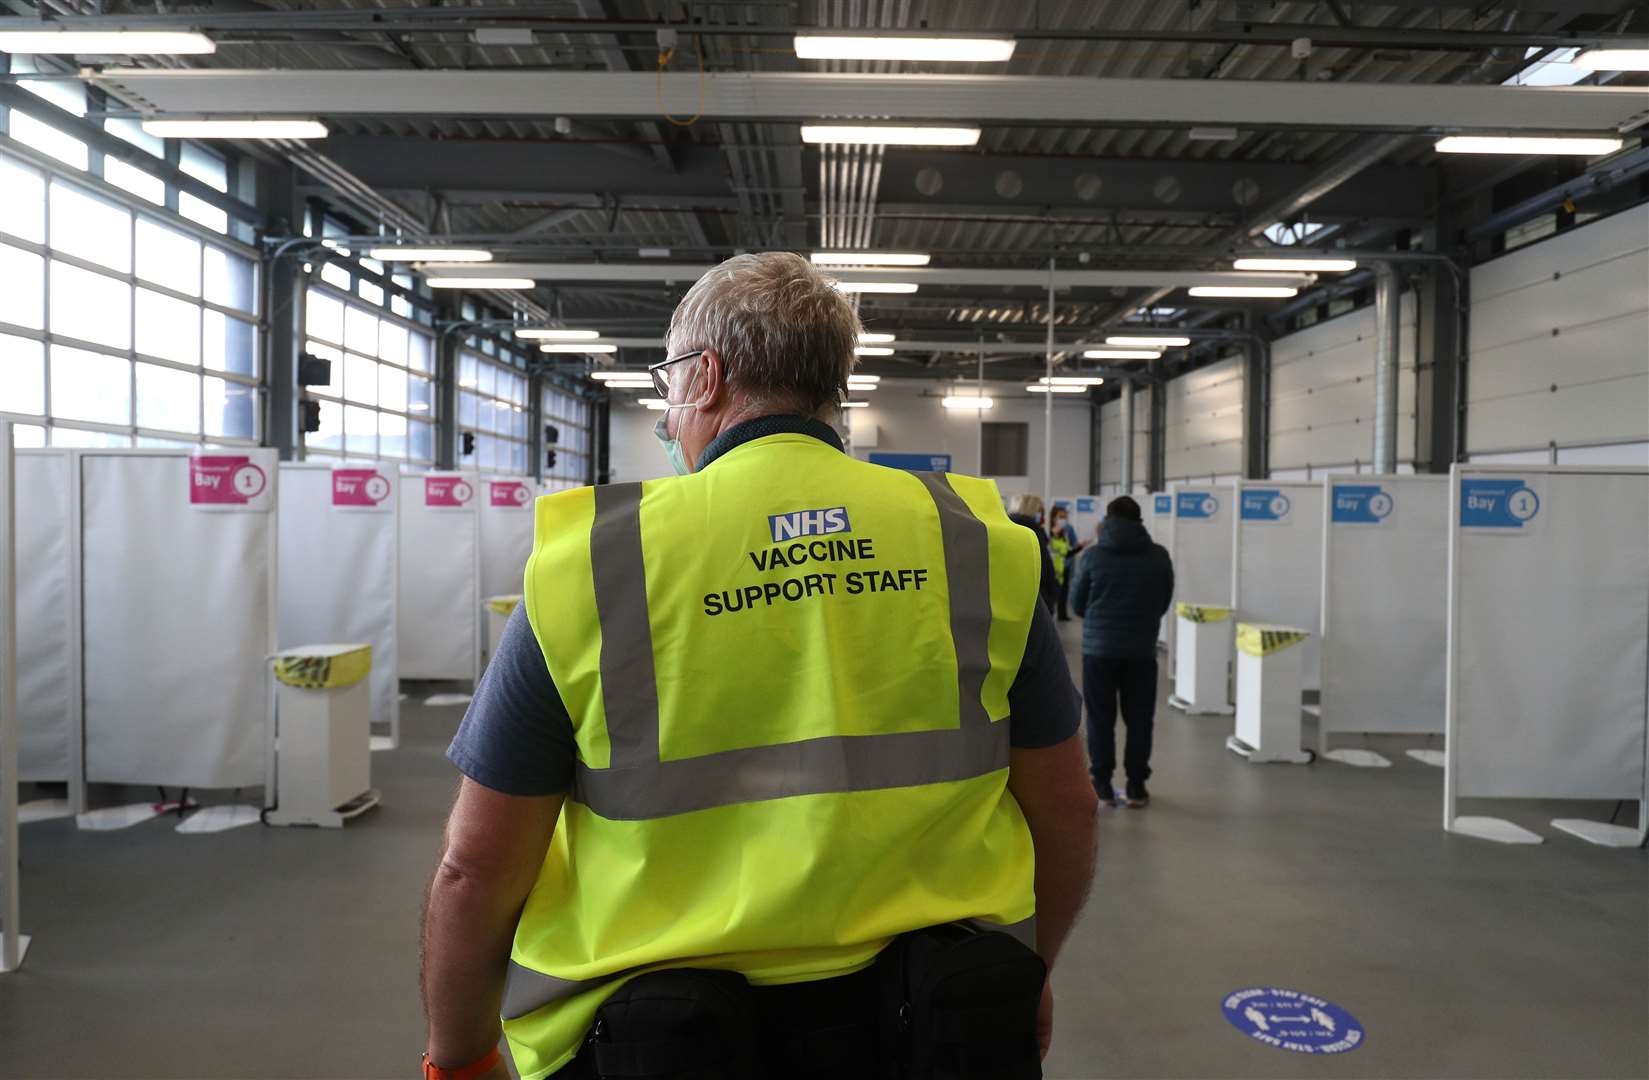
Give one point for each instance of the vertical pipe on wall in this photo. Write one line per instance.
(11, 937)
(1388, 308)
(1127, 478)
(979, 414)
(1048, 402)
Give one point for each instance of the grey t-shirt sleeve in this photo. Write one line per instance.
(516, 736)
(1044, 708)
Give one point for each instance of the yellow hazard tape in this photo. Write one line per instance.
(1202, 613)
(325, 672)
(502, 605)
(1256, 640)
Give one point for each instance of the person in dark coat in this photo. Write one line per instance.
(1124, 584)
(1026, 510)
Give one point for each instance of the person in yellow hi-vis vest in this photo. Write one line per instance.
(776, 770)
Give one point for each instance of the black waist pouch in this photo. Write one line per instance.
(680, 1024)
(962, 1004)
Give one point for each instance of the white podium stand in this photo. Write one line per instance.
(499, 610)
(323, 718)
(1202, 654)
(1268, 694)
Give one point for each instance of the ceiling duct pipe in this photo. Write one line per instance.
(1388, 309)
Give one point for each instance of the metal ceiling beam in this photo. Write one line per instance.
(686, 274)
(796, 96)
(1086, 186)
(432, 20)
(393, 161)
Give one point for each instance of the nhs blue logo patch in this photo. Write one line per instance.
(808, 523)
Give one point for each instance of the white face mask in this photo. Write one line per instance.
(673, 451)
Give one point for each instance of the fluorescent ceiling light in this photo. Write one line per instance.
(653, 253)
(1587, 146)
(1072, 380)
(875, 286)
(553, 333)
(126, 42)
(1040, 389)
(630, 384)
(1613, 60)
(235, 129)
(654, 404)
(873, 350)
(870, 258)
(1212, 134)
(610, 375)
(890, 134)
(1166, 341)
(572, 347)
(430, 254)
(969, 401)
(1123, 354)
(479, 283)
(1252, 292)
(855, 404)
(874, 339)
(950, 50)
(1304, 263)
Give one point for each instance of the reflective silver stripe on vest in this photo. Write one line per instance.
(629, 690)
(639, 786)
(526, 990)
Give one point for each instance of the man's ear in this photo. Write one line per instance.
(713, 385)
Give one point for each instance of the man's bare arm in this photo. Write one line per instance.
(491, 855)
(1052, 788)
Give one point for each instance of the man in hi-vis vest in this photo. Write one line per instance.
(776, 771)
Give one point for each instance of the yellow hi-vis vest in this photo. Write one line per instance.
(788, 681)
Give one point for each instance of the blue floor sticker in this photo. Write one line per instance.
(1291, 1020)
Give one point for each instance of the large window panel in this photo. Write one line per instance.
(420, 440)
(22, 375)
(23, 297)
(330, 434)
(90, 228)
(128, 178)
(22, 201)
(420, 395)
(360, 379)
(48, 140)
(202, 213)
(229, 344)
(90, 306)
(168, 399)
(324, 317)
(383, 406)
(360, 431)
(168, 257)
(168, 328)
(91, 386)
(204, 165)
(230, 280)
(231, 409)
(361, 330)
(132, 131)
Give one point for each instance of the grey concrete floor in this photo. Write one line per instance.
(268, 953)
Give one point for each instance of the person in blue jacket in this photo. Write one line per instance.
(1124, 584)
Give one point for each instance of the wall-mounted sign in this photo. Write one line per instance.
(509, 494)
(447, 492)
(912, 462)
(360, 489)
(227, 482)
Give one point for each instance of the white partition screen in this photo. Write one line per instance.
(1201, 547)
(1385, 604)
(339, 553)
(506, 533)
(1548, 635)
(47, 642)
(440, 591)
(1277, 561)
(178, 573)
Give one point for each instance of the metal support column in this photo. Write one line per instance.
(1096, 444)
(1158, 466)
(536, 446)
(1256, 405)
(601, 459)
(1048, 404)
(446, 387)
(1388, 308)
(283, 294)
(13, 943)
(1126, 479)
(1439, 377)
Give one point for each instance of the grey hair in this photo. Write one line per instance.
(784, 333)
(1025, 504)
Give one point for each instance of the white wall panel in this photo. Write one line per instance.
(1322, 392)
(1203, 432)
(1560, 341)
(1110, 443)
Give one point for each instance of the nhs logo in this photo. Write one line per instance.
(808, 523)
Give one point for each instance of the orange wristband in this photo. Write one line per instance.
(474, 1069)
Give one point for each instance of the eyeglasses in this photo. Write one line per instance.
(661, 382)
